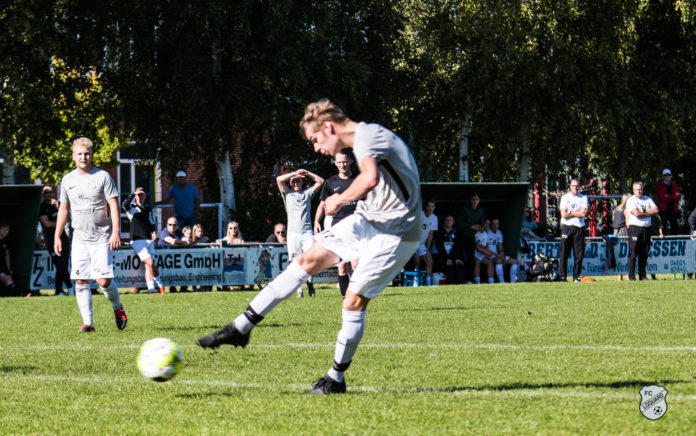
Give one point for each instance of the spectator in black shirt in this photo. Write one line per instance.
(450, 257)
(143, 236)
(48, 213)
(278, 235)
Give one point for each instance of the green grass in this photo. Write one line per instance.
(524, 359)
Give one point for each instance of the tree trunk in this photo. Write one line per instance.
(464, 149)
(8, 166)
(524, 163)
(226, 178)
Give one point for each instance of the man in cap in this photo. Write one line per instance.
(298, 202)
(668, 197)
(187, 202)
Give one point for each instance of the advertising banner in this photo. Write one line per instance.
(242, 265)
(666, 256)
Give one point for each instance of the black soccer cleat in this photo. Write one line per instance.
(326, 385)
(227, 335)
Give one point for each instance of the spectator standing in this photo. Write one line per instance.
(668, 197)
(692, 223)
(639, 209)
(337, 184)
(48, 213)
(298, 201)
(422, 253)
(279, 234)
(143, 237)
(573, 210)
(5, 261)
(186, 200)
(495, 245)
(450, 256)
(469, 222)
(89, 196)
(619, 221)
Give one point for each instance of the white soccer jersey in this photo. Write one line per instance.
(481, 240)
(298, 205)
(87, 195)
(494, 238)
(429, 224)
(393, 205)
(573, 203)
(644, 203)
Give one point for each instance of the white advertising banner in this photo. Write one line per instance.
(666, 256)
(242, 265)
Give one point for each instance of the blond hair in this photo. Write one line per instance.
(622, 204)
(193, 232)
(82, 142)
(318, 112)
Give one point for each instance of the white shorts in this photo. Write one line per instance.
(381, 255)
(298, 243)
(144, 248)
(421, 250)
(90, 261)
(480, 256)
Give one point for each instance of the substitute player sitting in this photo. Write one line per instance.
(143, 236)
(89, 196)
(482, 255)
(384, 231)
(495, 245)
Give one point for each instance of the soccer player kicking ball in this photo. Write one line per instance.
(384, 231)
(87, 192)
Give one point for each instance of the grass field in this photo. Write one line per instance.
(523, 359)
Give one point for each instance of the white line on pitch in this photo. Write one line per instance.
(541, 392)
(521, 347)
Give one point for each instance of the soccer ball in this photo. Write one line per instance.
(160, 359)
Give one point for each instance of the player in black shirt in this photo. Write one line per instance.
(48, 213)
(335, 185)
(143, 236)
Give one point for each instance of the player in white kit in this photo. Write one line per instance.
(384, 231)
(91, 198)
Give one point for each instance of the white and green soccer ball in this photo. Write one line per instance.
(160, 359)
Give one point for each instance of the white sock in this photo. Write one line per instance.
(500, 272)
(158, 282)
(352, 329)
(111, 294)
(150, 285)
(84, 301)
(279, 289)
(513, 273)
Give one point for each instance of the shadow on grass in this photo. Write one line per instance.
(636, 384)
(430, 309)
(20, 368)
